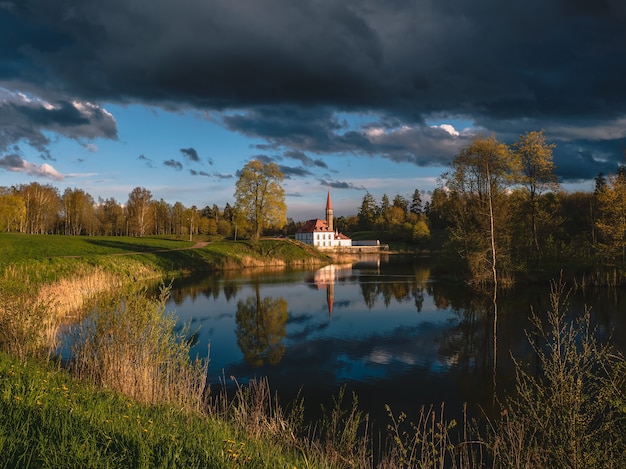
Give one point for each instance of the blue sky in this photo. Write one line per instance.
(152, 150)
(355, 96)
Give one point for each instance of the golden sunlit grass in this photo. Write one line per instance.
(130, 344)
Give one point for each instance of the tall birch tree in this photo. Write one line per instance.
(536, 175)
(139, 211)
(480, 175)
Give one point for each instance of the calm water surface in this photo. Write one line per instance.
(384, 327)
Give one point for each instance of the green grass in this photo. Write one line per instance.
(15, 247)
(48, 419)
(46, 258)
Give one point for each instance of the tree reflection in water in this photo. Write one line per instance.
(261, 328)
(398, 335)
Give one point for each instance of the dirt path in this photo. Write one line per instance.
(198, 245)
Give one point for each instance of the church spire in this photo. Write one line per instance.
(329, 213)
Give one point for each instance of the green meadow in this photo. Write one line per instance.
(51, 420)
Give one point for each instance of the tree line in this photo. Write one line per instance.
(40, 209)
(498, 211)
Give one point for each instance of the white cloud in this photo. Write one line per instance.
(45, 170)
(448, 128)
(19, 165)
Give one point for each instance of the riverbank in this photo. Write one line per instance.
(65, 272)
(50, 419)
(79, 414)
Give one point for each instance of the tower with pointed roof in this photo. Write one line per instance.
(321, 233)
(329, 213)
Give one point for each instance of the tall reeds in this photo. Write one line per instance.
(26, 328)
(131, 345)
(32, 313)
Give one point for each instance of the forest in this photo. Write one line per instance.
(498, 215)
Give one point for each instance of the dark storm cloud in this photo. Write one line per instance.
(191, 154)
(285, 71)
(26, 120)
(177, 165)
(322, 132)
(11, 162)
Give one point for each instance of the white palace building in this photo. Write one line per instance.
(321, 233)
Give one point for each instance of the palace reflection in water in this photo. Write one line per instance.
(382, 326)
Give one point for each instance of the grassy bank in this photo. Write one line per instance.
(46, 258)
(64, 273)
(51, 420)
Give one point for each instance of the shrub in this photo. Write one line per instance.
(130, 344)
(572, 412)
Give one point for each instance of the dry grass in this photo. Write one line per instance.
(32, 314)
(26, 330)
(130, 344)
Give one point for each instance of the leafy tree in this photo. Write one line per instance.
(438, 210)
(224, 228)
(401, 202)
(212, 213)
(78, 209)
(395, 216)
(12, 212)
(110, 216)
(207, 226)
(42, 207)
(178, 218)
(600, 181)
(382, 214)
(162, 217)
(421, 232)
(192, 221)
(229, 213)
(260, 197)
(478, 179)
(611, 222)
(139, 211)
(536, 175)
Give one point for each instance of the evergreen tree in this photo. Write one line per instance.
(416, 203)
(367, 212)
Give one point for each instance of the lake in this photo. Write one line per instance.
(383, 326)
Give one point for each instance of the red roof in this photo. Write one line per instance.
(314, 225)
(317, 225)
(329, 204)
